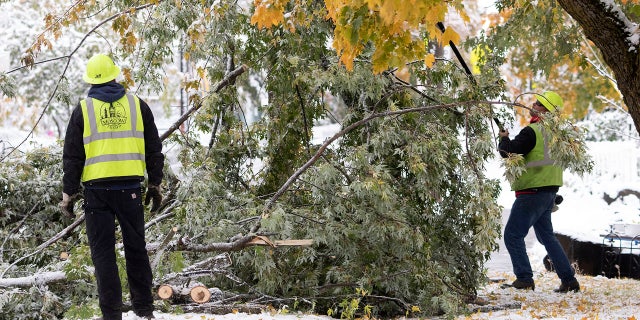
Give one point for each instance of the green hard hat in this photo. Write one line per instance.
(100, 69)
(550, 100)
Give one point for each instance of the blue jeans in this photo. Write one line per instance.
(534, 210)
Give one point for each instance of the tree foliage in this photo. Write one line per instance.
(547, 49)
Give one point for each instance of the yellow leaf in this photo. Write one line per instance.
(201, 72)
(128, 78)
(429, 60)
(268, 13)
(388, 11)
(403, 74)
(450, 35)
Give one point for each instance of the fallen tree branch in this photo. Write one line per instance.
(163, 247)
(37, 279)
(220, 261)
(185, 244)
(65, 232)
(348, 129)
(206, 267)
(167, 213)
(241, 242)
(16, 228)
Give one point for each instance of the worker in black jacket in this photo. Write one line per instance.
(110, 143)
(536, 191)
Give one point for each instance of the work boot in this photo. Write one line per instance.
(572, 285)
(521, 285)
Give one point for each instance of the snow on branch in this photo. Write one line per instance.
(37, 279)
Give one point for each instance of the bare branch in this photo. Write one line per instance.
(227, 80)
(66, 67)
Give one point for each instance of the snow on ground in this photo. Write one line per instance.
(600, 298)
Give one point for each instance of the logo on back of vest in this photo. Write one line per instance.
(113, 115)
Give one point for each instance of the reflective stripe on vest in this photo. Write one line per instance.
(541, 171)
(113, 138)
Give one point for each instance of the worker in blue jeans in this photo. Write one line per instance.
(536, 190)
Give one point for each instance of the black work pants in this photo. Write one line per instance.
(102, 207)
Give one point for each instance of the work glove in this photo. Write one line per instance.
(154, 196)
(67, 203)
(556, 202)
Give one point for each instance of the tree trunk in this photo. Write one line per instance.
(609, 31)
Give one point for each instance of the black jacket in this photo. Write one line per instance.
(73, 156)
(522, 144)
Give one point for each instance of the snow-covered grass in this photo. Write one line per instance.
(600, 298)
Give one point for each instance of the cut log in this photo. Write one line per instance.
(200, 294)
(197, 293)
(166, 291)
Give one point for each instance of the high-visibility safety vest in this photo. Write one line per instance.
(540, 172)
(113, 138)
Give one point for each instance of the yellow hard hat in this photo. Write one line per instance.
(100, 69)
(550, 100)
